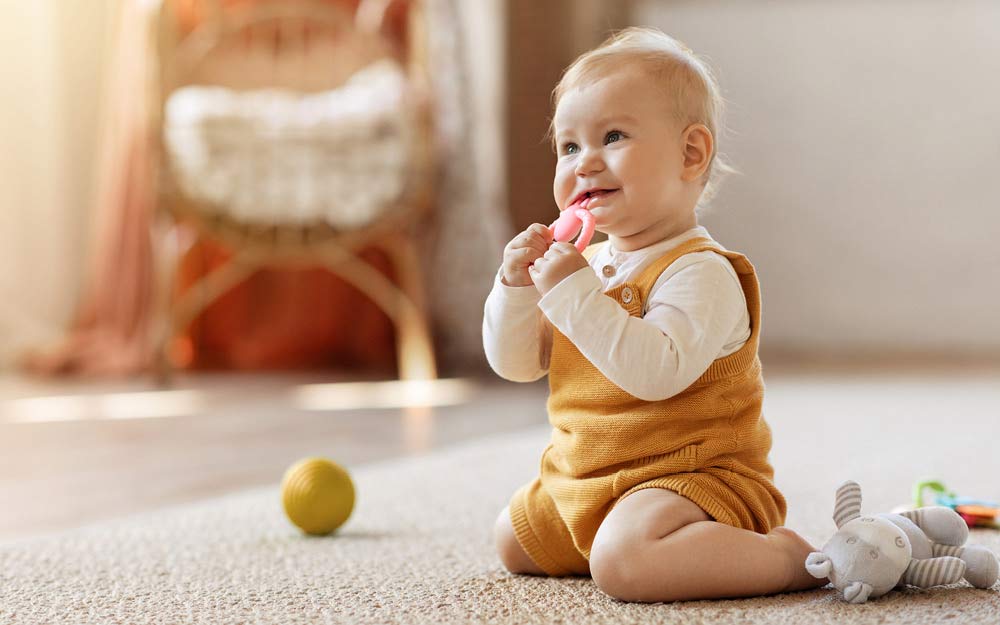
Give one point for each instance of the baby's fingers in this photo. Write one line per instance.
(526, 255)
(530, 239)
(521, 240)
(541, 232)
(561, 249)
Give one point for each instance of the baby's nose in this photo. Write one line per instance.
(589, 163)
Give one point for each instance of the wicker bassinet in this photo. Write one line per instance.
(296, 137)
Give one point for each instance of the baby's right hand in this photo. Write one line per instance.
(524, 249)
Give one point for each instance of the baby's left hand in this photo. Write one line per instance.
(559, 262)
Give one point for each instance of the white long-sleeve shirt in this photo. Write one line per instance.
(696, 313)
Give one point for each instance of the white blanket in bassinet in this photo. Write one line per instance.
(279, 157)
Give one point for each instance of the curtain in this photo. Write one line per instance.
(110, 330)
(50, 71)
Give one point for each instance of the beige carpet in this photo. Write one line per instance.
(418, 548)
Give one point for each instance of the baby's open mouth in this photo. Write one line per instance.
(593, 195)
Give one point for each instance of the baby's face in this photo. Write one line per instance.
(618, 135)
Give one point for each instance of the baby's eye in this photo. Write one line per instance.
(614, 133)
(569, 148)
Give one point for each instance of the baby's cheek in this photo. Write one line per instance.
(562, 183)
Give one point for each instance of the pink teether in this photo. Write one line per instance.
(574, 219)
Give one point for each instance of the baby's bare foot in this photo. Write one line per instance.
(797, 549)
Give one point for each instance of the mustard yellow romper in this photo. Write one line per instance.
(709, 443)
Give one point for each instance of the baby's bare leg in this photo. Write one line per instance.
(656, 545)
(511, 553)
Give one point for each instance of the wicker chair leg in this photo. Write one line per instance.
(414, 348)
(195, 300)
(414, 345)
(164, 234)
(211, 286)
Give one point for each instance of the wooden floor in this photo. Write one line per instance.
(76, 453)
(67, 462)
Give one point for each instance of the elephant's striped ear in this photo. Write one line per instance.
(848, 504)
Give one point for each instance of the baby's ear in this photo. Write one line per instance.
(699, 145)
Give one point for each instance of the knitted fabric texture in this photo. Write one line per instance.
(709, 443)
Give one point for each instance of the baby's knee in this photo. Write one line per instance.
(621, 568)
(614, 568)
(510, 552)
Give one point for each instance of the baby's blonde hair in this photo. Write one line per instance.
(685, 77)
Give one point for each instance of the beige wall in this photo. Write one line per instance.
(869, 138)
(50, 81)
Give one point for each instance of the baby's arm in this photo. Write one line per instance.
(514, 333)
(688, 320)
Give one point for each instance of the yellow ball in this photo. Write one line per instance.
(318, 495)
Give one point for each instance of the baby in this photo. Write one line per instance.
(656, 481)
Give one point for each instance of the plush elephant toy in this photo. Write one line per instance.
(871, 555)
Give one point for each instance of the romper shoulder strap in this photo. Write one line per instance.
(648, 277)
(747, 354)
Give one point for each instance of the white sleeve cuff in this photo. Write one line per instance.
(517, 296)
(511, 335)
